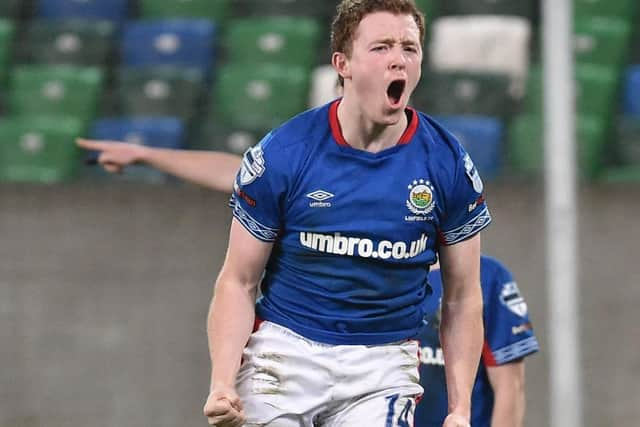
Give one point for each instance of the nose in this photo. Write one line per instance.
(398, 60)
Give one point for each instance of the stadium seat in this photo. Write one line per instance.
(39, 149)
(322, 10)
(283, 40)
(157, 91)
(634, 55)
(621, 175)
(250, 98)
(75, 42)
(628, 141)
(611, 8)
(524, 8)
(216, 11)
(481, 136)
(11, 9)
(599, 40)
(525, 148)
(212, 135)
(324, 80)
(155, 132)
(631, 91)
(484, 43)
(179, 42)
(7, 30)
(429, 8)
(55, 90)
(110, 10)
(464, 92)
(596, 90)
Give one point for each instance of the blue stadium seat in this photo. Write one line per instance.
(631, 95)
(481, 136)
(109, 10)
(179, 42)
(163, 132)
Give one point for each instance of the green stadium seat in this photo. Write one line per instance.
(429, 8)
(251, 97)
(464, 92)
(525, 145)
(11, 9)
(596, 90)
(39, 149)
(320, 9)
(7, 30)
(55, 90)
(599, 40)
(628, 141)
(621, 175)
(525, 8)
(611, 8)
(217, 10)
(284, 40)
(157, 91)
(75, 42)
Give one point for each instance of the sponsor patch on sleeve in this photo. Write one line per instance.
(253, 165)
(473, 175)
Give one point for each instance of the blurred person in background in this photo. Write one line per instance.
(498, 398)
(334, 306)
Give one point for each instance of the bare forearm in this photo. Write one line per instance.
(508, 409)
(229, 325)
(214, 170)
(462, 333)
(507, 382)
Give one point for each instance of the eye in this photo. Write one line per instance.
(379, 48)
(412, 49)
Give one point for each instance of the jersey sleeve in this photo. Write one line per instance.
(259, 190)
(508, 331)
(466, 210)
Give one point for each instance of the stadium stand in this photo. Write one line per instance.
(215, 67)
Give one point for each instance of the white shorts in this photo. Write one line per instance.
(287, 380)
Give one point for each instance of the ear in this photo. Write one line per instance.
(340, 63)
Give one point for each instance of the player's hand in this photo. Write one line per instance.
(456, 420)
(114, 155)
(223, 408)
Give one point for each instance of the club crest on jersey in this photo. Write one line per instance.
(420, 201)
(252, 165)
(473, 175)
(510, 296)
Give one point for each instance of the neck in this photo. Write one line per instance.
(363, 133)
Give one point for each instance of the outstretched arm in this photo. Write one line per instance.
(507, 382)
(212, 169)
(461, 328)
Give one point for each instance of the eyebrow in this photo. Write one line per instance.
(390, 41)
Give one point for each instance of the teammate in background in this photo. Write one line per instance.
(344, 208)
(498, 398)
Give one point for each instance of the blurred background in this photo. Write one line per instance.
(105, 280)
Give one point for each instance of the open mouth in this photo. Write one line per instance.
(395, 90)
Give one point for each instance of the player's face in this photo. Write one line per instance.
(385, 65)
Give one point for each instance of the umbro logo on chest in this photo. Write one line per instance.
(320, 199)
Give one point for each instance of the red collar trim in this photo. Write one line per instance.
(336, 130)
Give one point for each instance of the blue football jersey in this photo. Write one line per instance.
(354, 232)
(508, 337)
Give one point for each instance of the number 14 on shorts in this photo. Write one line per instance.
(402, 419)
